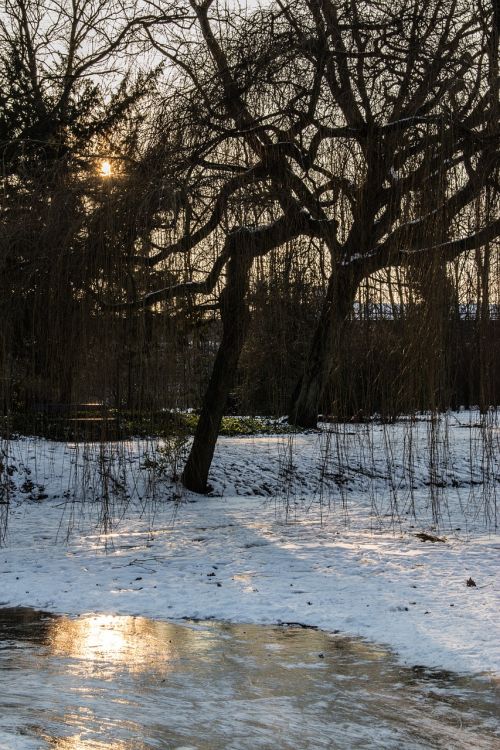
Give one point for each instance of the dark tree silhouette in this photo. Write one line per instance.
(329, 121)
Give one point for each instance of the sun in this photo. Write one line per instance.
(105, 168)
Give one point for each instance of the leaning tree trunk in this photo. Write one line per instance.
(235, 320)
(325, 348)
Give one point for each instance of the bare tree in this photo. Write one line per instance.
(403, 89)
(223, 159)
(322, 120)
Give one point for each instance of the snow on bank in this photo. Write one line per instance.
(340, 553)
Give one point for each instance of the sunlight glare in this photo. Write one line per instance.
(105, 168)
(111, 643)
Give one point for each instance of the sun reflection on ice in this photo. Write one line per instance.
(107, 643)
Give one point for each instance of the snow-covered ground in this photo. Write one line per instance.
(317, 528)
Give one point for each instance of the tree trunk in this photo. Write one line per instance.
(235, 321)
(324, 351)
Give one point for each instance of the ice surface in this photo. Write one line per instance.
(121, 683)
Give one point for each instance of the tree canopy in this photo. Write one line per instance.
(367, 132)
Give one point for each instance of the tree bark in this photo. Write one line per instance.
(235, 320)
(325, 347)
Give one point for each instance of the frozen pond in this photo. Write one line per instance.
(102, 682)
